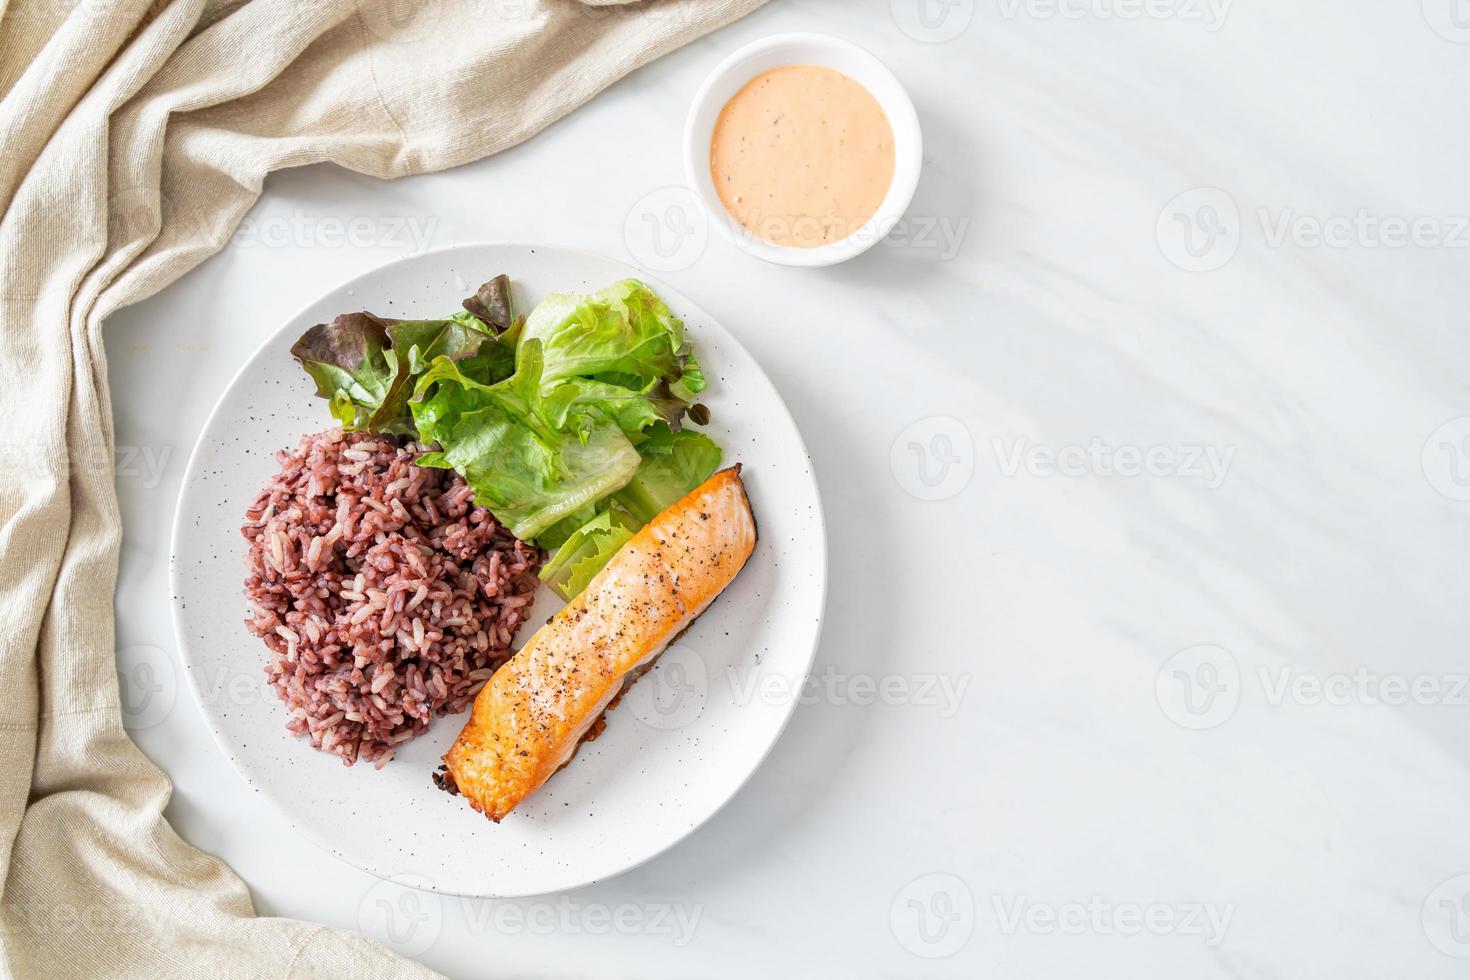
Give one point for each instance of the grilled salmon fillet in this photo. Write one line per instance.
(529, 719)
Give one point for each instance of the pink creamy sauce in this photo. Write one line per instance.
(802, 156)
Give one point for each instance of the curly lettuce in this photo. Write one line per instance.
(587, 549)
(568, 424)
(526, 471)
(622, 341)
(670, 465)
(367, 366)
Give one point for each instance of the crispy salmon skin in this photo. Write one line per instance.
(527, 722)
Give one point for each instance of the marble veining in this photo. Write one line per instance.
(1144, 444)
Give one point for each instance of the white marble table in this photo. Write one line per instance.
(1145, 448)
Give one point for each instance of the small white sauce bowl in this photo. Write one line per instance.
(805, 49)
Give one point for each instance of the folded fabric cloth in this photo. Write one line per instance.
(136, 136)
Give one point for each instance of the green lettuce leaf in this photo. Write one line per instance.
(584, 553)
(491, 304)
(367, 365)
(416, 344)
(346, 360)
(559, 533)
(493, 362)
(526, 471)
(621, 337)
(691, 381)
(571, 403)
(672, 464)
(546, 416)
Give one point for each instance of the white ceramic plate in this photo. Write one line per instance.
(684, 740)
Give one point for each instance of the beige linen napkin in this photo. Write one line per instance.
(134, 136)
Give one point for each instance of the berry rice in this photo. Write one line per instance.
(385, 595)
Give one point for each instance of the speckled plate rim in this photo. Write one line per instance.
(177, 589)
